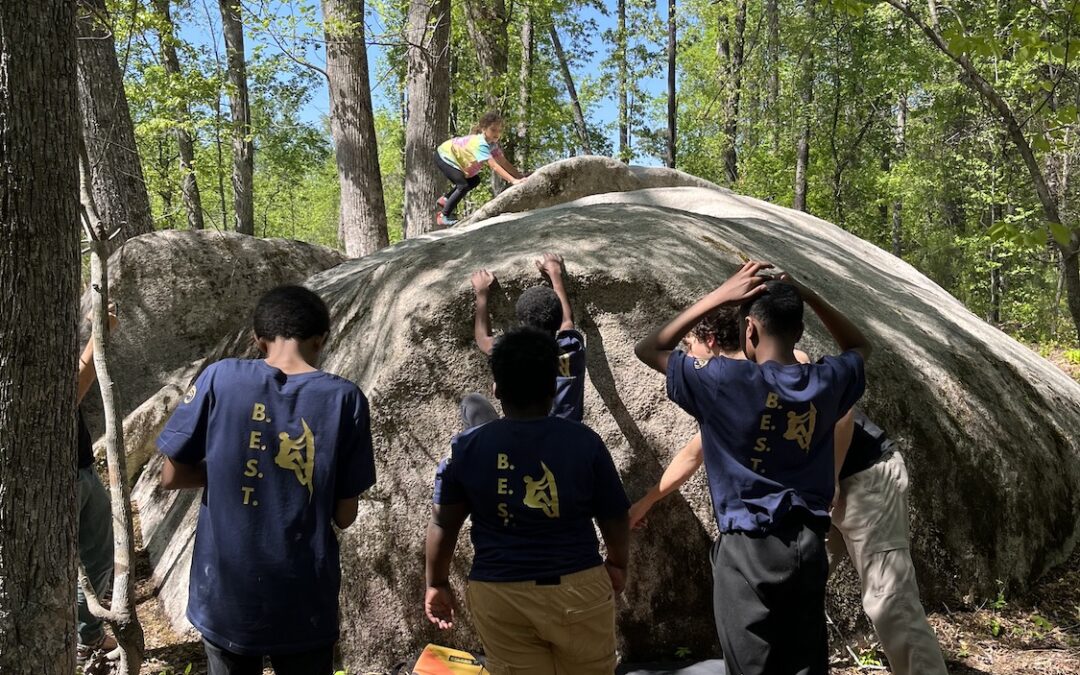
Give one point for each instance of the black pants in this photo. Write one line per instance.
(462, 185)
(769, 599)
(222, 662)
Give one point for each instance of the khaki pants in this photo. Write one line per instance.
(872, 517)
(529, 629)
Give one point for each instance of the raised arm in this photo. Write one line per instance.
(655, 348)
(552, 266)
(87, 368)
(510, 168)
(498, 168)
(683, 465)
(482, 281)
(442, 536)
(847, 335)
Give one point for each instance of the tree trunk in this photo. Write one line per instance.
(189, 187)
(672, 107)
(521, 158)
(731, 51)
(428, 113)
(806, 97)
(486, 22)
(772, 98)
(898, 203)
(975, 80)
(352, 123)
(243, 146)
(39, 286)
(568, 79)
(115, 168)
(121, 614)
(624, 112)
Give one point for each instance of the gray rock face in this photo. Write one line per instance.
(178, 294)
(987, 426)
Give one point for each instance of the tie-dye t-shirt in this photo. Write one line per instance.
(469, 153)
(280, 451)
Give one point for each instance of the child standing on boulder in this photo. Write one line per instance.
(461, 159)
(283, 450)
(767, 435)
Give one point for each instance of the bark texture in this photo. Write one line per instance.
(39, 279)
(806, 96)
(571, 90)
(189, 186)
(732, 53)
(243, 147)
(363, 214)
(672, 104)
(115, 168)
(428, 110)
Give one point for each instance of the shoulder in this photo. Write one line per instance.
(849, 361)
(570, 339)
(577, 433)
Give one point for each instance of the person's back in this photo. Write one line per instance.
(283, 450)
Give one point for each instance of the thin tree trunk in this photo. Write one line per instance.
(115, 168)
(975, 80)
(243, 146)
(806, 97)
(428, 116)
(486, 22)
(624, 79)
(672, 105)
(898, 202)
(189, 187)
(731, 51)
(121, 614)
(352, 123)
(568, 79)
(524, 90)
(772, 98)
(39, 282)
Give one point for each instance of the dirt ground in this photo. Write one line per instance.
(1036, 634)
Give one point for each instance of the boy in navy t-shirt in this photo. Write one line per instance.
(283, 450)
(767, 433)
(545, 309)
(540, 595)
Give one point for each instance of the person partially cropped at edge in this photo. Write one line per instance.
(283, 450)
(767, 427)
(540, 595)
(545, 309)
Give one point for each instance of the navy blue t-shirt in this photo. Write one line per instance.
(570, 384)
(868, 443)
(767, 431)
(280, 451)
(532, 488)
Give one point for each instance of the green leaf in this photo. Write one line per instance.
(1041, 143)
(1037, 238)
(1000, 230)
(1061, 233)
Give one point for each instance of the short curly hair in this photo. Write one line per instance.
(525, 365)
(291, 312)
(539, 308)
(723, 326)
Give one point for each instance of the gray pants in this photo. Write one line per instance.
(95, 548)
(872, 519)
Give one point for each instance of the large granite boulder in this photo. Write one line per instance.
(988, 427)
(178, 292)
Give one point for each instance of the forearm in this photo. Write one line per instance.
(503, 173)
(176, 476)
(847, 335)
(559, 287)
(87, 371)
(482, 324)
(510, 168)
(439, 551)
(842, 435)
(616, 534)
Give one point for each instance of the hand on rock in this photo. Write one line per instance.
(439, 605)
(638, 511)
(788, 279)
(482, 281)
(550, 264)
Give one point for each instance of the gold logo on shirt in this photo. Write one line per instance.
(190, 395)
(800, 428)
(564, 365)
(542, 493)
(298, 456)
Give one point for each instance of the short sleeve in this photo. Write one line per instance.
(608, 498)
(692, 382)
(849, 374)
(495, 150)
(356, 455)
(183, 439)
(448, 488)
(484, 150)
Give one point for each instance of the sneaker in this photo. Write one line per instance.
(441, 201)
(446, 221)
(106, 646)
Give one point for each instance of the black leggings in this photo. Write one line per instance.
(462, 185)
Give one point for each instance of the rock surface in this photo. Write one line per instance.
(988, 427)
(178, 294)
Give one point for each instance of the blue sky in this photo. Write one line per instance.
(194, 31)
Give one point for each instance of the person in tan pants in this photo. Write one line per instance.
(870, 523)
